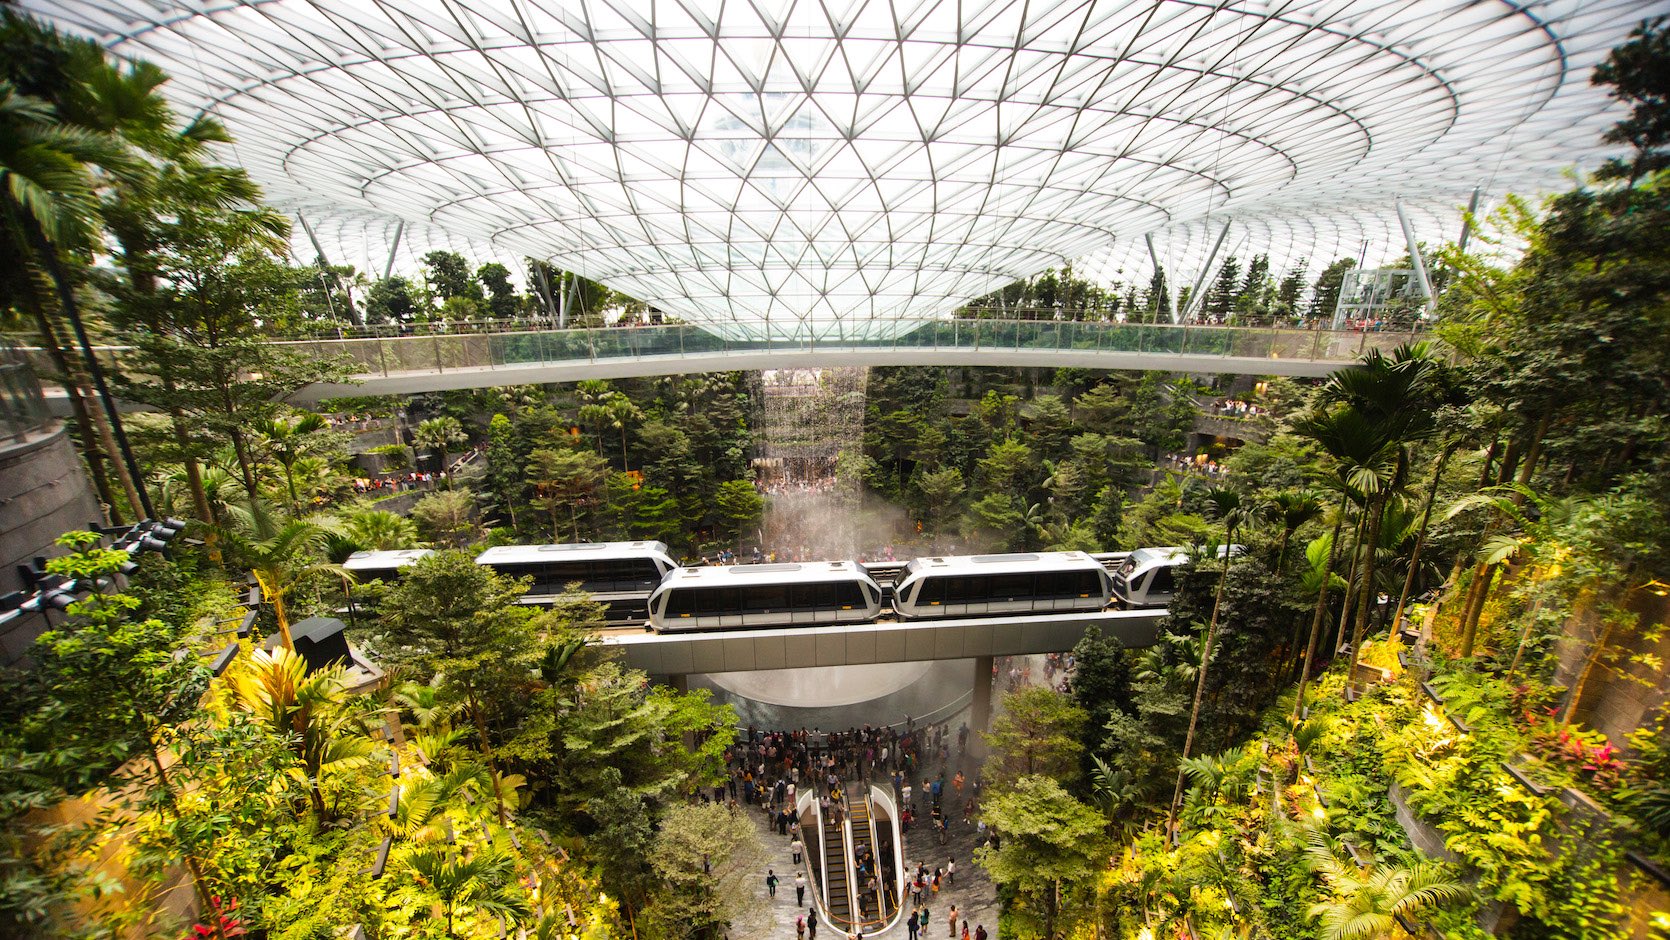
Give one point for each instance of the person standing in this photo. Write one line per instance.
(951, 919)
(796, 848)
(951, 871)
(811, 924)
(799, 889)
(911, 925)
(771, 882)
(979, 932)
(800, 927)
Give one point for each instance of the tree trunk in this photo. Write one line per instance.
(1366, 594)
(246, 465)
(89, 436)
(1200, 680)
(205, 900)
(1420, 539)
(116, 443)
(1321, 609)
(1575, 698)
(1483, 574)
(487, 753)
(1351, 589)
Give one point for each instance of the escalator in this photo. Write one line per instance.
(871, 909)
(835, 872)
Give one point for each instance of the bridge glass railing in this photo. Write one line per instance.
(446, 351)
(23, 410)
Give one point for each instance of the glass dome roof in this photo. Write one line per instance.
(874, 159)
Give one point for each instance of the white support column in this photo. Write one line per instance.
(394, 246)
(1422, 283)
(1171, 291)
(1206, 270)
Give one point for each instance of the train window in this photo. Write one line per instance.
(1055, 584)
(812, 596)
(717, 600)
(847, 594)
(765, 597)
(1164, 580)
(680, 603)
(1012, 585)
(930, 591)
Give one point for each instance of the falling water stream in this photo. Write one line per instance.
(811, 432)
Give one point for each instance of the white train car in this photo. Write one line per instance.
(1148, 576)
(1016, 583)
(383, 565)
(776, 595)
(612, 572)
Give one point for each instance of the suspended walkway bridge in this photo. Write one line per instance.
(408, 363)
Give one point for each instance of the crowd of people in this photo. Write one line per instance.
(1199, 463)
(1238, 408)
(390, 483)
(770, 770)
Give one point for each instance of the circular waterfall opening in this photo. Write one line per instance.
(832, 685)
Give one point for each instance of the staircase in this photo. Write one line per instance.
(835, 871)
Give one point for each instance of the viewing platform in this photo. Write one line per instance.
(394, 362)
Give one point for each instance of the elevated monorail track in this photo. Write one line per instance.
(882, 641)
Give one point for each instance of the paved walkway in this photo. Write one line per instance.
(973, 893)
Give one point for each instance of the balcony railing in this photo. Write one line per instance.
(439, 352)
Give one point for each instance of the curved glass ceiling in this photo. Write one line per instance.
(793, 161)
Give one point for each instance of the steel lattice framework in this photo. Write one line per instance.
(789, 161)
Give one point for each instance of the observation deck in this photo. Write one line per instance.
(404, 363)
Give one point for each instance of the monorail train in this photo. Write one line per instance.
(775, 595)
(1148, 576)
(1017, 583)
(382, 565)
(608, 571)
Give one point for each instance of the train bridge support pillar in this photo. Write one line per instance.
(980, 717)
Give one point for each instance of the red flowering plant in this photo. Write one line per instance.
(229, 926)
(1585, 754)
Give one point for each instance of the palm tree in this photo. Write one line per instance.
(1396, 396)
(485, 882)
(49, 203)
(280, 556)
(1291, 509)
(622, 415)
(288, 442)
(380, 530)
(310, 710)
(1233, 513)
(439, 435)
(1372, 901)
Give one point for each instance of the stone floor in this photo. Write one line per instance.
(973, 894)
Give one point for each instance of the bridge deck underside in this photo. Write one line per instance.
(885, 642)
(447, 379)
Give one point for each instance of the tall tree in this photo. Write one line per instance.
(453, 619)
(1232, 513)
(449, 276)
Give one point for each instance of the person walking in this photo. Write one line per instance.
(965, 930)
(979, 932)
(796, 848)
(951, 919)
(799, 889)
(951, 871)
(800, 927)
(811, 924)
(771, 882)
